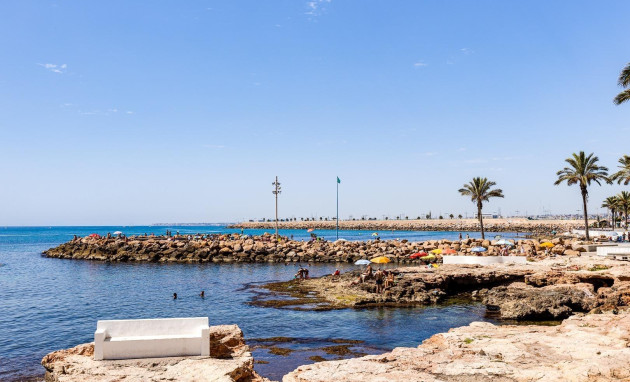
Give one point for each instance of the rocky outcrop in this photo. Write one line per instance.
(456, 225)
(264, 249)
(549, 289)
(583, 348)
(230, 361)
(520, 301)
(226, 341)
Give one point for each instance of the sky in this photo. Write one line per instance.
(142, 112)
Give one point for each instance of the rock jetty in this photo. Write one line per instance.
(265, 249)
(230, 361)
(543, 227)
(585, 348)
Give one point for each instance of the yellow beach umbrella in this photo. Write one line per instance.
(437, 251)
(547, 245)
(380, 260)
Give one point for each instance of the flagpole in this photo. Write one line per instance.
(337, 208)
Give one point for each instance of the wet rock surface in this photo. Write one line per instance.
(593, 347)
(277, 356)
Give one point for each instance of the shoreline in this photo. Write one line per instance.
(590, 294)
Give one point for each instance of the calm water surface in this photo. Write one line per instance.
(51, 304)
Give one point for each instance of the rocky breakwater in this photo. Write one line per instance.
(455, 225)
(230, 361)
(264, 249)
(585, 348)
(549, 289)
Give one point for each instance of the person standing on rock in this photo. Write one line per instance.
(378, 276)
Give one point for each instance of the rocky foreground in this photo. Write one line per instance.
(461, 225)
(550, 289)
(230, 361)
(591, 348)
(588, 348)
(264, 249)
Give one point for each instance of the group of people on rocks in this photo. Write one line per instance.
(302, 273)
(383, 278)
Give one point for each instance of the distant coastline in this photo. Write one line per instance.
(190, 224)
(463, 225)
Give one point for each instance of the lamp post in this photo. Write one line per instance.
(276, 191)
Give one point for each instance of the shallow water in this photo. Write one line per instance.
(50, 304)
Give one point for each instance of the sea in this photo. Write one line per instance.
(51, 304)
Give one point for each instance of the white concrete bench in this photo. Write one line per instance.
(162, 337)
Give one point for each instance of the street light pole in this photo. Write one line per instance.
(276, 191)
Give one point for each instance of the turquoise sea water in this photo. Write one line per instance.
(51, 304)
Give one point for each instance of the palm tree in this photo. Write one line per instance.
(623, 175)
(479, 190)
(583, 170)
(624, 203)
(624, 82)
(611, 203)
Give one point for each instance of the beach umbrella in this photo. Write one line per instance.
(503, 242)
(478, 249)
(437, 251)
(375, 234)
(362, 262)
(547, 245)
(117, 233)
(380, 260)
(449, 251)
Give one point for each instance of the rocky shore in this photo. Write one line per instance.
(230, 361)
(594, 347)
(584, 348)
(456, 225)
(549, 289)
(265, 249)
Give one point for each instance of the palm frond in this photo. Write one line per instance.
(624, 76)
(622, 97)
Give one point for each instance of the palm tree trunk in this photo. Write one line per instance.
(625, 211)
(584, 195)
(483, 235)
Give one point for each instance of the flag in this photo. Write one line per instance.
(338, 180)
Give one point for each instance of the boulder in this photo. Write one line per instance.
(527, 302)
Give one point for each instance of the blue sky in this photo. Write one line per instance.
(139, 112)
